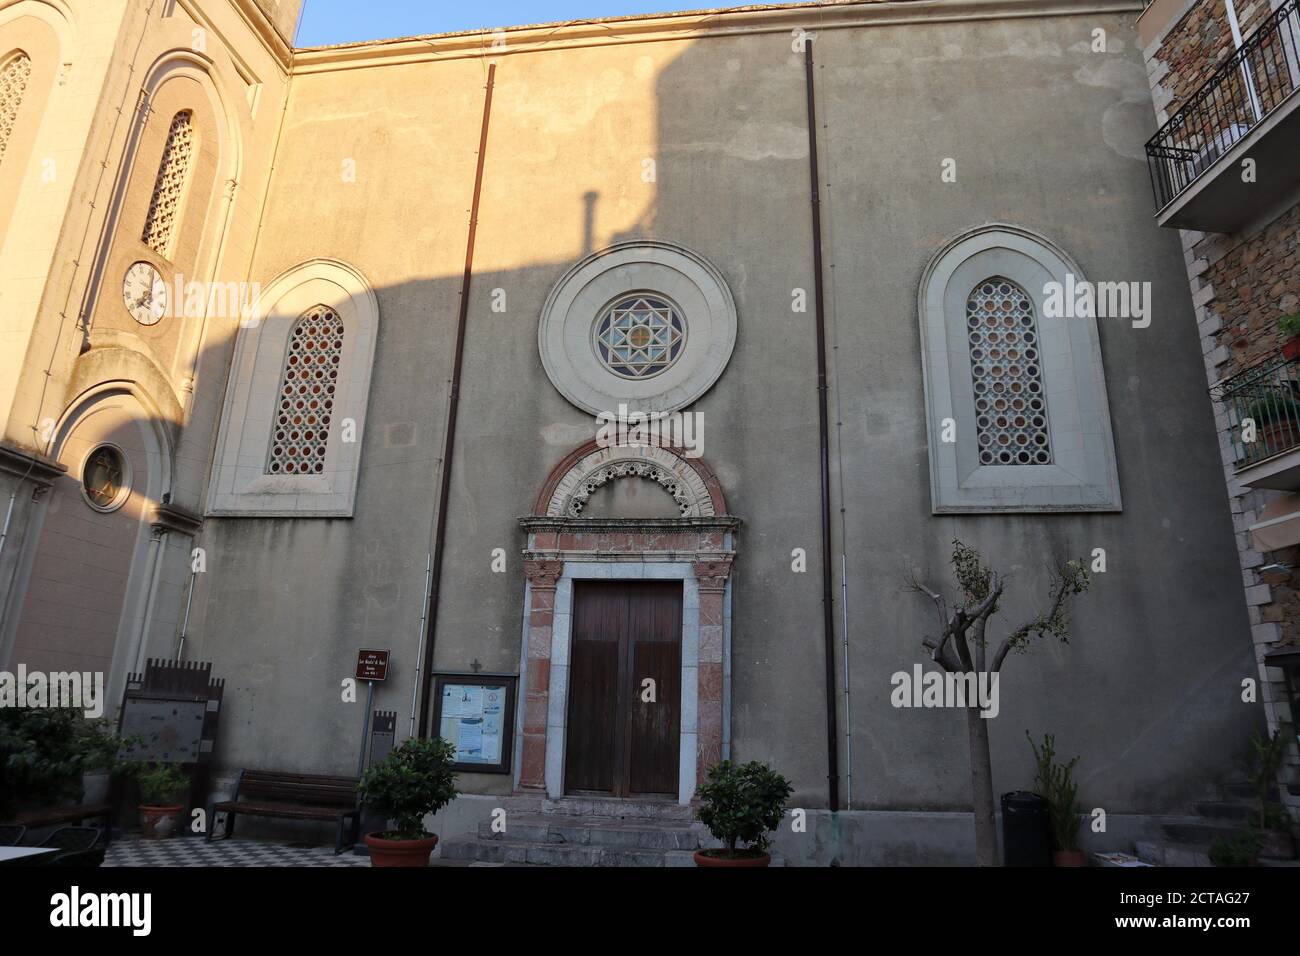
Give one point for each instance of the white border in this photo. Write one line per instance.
(558, 701)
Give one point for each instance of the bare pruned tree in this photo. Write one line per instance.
(962, 648)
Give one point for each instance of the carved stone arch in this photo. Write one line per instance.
(688, 481)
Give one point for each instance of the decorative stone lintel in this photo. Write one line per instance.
(33, 466)
(536, 523)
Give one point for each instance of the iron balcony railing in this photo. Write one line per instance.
(1263, 406)
(1240, 94)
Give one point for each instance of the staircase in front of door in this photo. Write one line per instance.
(587, 831)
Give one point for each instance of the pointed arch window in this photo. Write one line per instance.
(169, 187)
(305, 402)
(14, 76)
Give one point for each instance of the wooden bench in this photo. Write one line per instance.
(292, 796)
(64, 816)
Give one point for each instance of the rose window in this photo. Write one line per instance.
(639, 336)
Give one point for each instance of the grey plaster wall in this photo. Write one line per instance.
(1046, 134)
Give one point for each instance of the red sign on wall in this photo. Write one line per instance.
(372, 665)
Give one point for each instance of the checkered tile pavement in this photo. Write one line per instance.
(192, 851)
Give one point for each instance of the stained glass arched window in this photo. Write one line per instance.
(1010, 405)
(305, 402)
(14, 75)
(169, 187)
(639, 336)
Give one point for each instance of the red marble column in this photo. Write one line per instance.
(712, 579)
(542, 577)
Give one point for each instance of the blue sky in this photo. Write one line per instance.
(342, 21)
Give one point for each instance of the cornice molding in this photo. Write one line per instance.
(23, 463)
(171, 517)
(688, 26)
(262, 27)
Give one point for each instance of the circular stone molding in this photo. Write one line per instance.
(567, 336)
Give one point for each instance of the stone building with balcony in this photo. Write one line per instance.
(1225, 168)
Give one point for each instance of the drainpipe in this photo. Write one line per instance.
(449, 438)
(189, 603)
(823, 432)
(1251, 92)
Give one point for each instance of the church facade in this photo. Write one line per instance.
(309, 351)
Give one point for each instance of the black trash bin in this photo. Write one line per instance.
(1026, 830)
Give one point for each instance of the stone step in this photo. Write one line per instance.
(512, 851)
(1163, 853)
(633, 833)
(1224, 810)
(508, 850)
(1245, 790)
(1201, 834)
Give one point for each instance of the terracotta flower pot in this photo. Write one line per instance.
(160, 822)
(1291, 348)
(384, 852)
(1069, 858)
(752, 858)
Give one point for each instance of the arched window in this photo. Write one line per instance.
(169, 187)
(301, 368)
(305, 405)
(15, 73)
(1015, 393)
(1010, 403)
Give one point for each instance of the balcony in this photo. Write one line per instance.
(1246, 108)
(1263, 407)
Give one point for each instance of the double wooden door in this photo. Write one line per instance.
(625, 665)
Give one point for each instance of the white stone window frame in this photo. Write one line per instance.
(582, 296)
(240, 485)
(1083, 474)
(557, 709)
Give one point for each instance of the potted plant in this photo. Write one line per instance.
(45, 753)
(1289, 326)
(413, 781)
(162, 790)
(741, 804)
(1272, 823)
(1241, 850)
(1054, 782)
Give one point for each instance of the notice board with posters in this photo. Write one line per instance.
(475, 713)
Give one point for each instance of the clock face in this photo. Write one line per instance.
(145, 293)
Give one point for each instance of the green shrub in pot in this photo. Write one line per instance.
(741, 804)
(413, 781)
